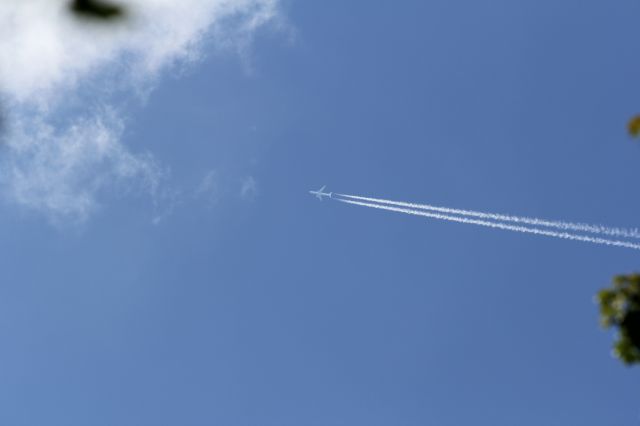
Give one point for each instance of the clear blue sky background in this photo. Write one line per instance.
(280, 310)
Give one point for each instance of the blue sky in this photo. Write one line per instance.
(270, 308)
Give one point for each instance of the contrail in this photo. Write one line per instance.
(497, 225)
(565, 226)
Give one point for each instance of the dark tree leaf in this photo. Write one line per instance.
(620, 307)
(634, 126)
(96, 9)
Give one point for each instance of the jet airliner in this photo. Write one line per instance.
(319, 193)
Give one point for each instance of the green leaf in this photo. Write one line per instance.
(620, 307)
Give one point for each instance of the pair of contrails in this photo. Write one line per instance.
(596, 234)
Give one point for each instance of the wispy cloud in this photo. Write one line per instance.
(63, 81)
(59, 170)
(249, 188)
(209, 188)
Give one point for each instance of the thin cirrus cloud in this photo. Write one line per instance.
(63, 80)
(249, 188)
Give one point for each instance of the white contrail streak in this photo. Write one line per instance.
(565, 226)
(497, 225)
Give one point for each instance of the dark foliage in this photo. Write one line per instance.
(96, 9)
(620, 307)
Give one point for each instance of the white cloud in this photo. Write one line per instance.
(249, 188)
(59, 170)
(209, 188)
(44, 50)
(52, 66)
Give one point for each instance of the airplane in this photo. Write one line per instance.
(319, 193)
